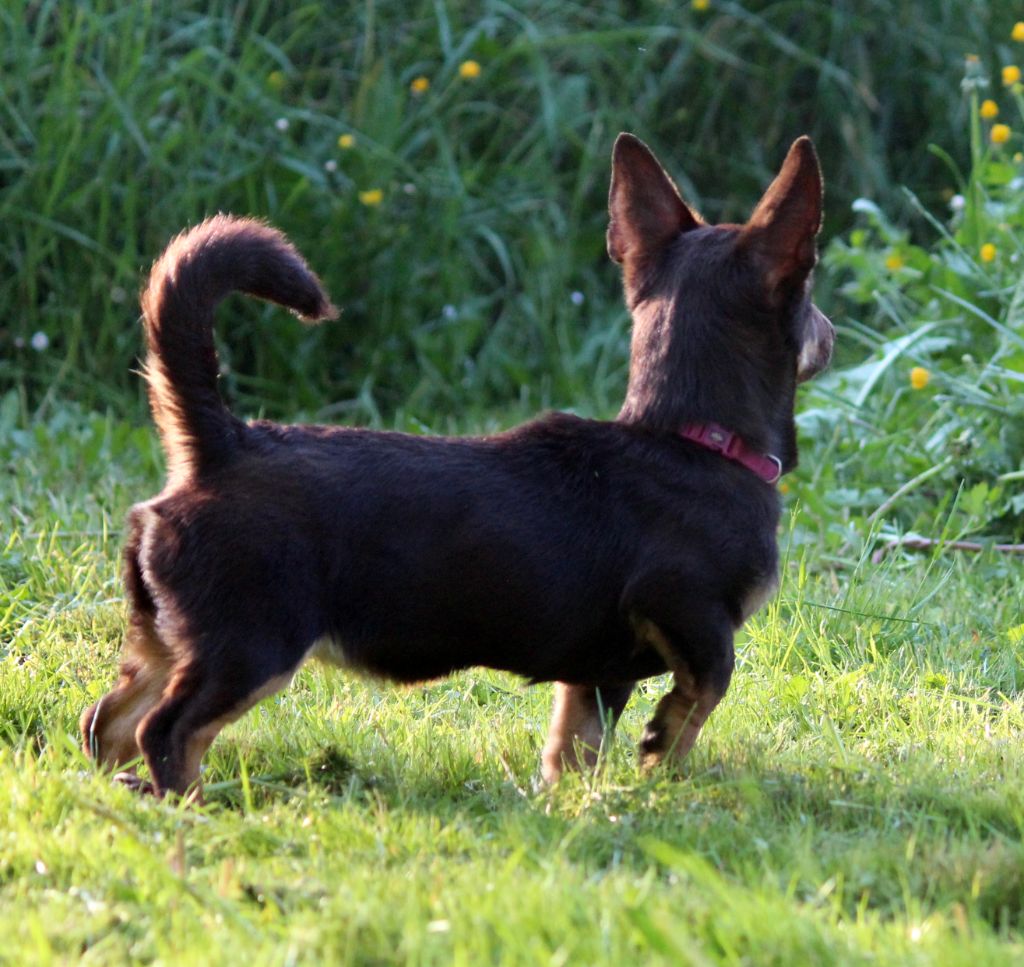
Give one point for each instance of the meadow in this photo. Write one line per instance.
(859, 795)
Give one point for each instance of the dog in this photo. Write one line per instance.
(587, 553)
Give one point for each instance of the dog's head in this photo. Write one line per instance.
(724, 326)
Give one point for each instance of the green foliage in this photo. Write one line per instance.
(937, 408)
(123, 122)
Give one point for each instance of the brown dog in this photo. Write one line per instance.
(591, 554)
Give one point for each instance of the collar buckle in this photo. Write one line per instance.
(731, 445)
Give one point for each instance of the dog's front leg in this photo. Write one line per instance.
(582, 718)
(677, 721)
(701, 660)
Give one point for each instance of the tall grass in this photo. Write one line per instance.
(124, 122)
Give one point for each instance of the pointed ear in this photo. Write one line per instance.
(787, 219)
(643, 204)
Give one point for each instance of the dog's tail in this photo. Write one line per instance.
(198, 269)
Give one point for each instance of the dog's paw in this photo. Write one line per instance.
(141, 786)
(657, 752)
(653, 746)
(550, 772)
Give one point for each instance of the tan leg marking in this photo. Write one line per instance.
(196, 745)
(108, 727)
(574, 738)
(677, 722)
(681, 713)
(649, 635)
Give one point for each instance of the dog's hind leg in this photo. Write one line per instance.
(108, 726)
(582, 719)
(206, 692)
(701, 661)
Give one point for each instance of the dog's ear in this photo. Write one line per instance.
(644, 206)
(782, 230)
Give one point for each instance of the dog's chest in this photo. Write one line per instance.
(758, 593)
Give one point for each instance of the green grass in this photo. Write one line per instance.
(857, 798)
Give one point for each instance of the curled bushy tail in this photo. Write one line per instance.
(199, 268)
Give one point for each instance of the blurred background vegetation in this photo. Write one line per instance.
(444, 167)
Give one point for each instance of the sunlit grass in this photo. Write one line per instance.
(857, 797)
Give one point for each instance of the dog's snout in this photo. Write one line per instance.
(816, 348)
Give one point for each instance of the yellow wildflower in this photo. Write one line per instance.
(1018, 157)
(346, 141)
(987, 252)
(700, 4)
(1000, 133)
(1011, 74)
(919, 377)
(894, 262)
(989, 109)
(783, 487)
(276, 80)
(371, 197)
(1018, 31)
(469, 70)
(420, 85)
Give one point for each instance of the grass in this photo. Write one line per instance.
(857, 797)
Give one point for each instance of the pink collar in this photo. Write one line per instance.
(717, 438)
